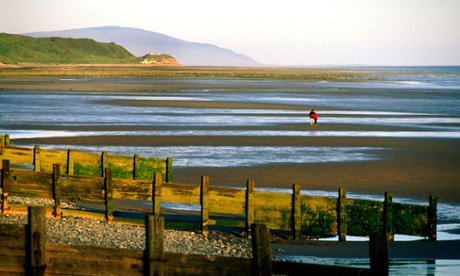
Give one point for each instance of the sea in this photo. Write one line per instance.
(420, 102)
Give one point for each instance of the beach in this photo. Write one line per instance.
(406, 153)
(371, 138)
(409, 167)
(414, 168)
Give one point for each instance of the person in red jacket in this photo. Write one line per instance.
(313, 117)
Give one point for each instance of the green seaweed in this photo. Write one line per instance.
(364, 217)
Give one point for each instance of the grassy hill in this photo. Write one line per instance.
(16, 49)
(140, 42)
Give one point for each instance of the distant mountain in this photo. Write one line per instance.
(141, 42)
(15, 49)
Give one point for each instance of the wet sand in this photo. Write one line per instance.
(410, 167)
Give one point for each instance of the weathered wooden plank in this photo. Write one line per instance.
(12, 265)
(80, 188)
(104, 163)
(296, 211)
(7, 140)
(169, 170)
(233, 201)
(37, 159)
(86, 260)
(136, 166)
(154, 226)
(250, 203)
(180, 264)
(342, 214)
(122, 166)
(87, 164)
(432, 217)
(50, 157)
(273, 209)
(57, 190)
(2, 145)
(228, 222)
(5, 185)
(156, 193)
(70, 162)
(319, 214)
(261, 251)
(388, 216)
(204, 201)
(273, 201)
(410, 219)
(29, 183)
(180, 193)
(19, 155)
(108, 195)
(36, 241)
(278, 219)
(12, 232)
(90, 164)
(148, 166)
(132, 189)
(378, 254)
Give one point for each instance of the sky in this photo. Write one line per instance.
(286, 33)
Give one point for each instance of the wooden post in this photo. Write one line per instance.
(136, 166)
(57, 190)
(250, 212)
(104, 163)
(388, 216)
(432, 218)
(70, 162)
(261, 252)
(342, 215)
(2, 144)
(108, 195)
(37, 158)
(7, 140)
(169, 170)
(36, 241)
(296, 211)
(378, 254)
(5, 184)
(156, 193)
(204, 201)
(154, 248)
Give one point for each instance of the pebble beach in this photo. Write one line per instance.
(99, 233)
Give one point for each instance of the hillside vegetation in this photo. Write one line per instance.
(140, 42)
(18, 49)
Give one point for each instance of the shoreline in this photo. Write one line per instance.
(403, 168)
(407, 167)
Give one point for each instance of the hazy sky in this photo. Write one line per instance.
(301, 32)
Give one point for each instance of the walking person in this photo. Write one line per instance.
(313, 117)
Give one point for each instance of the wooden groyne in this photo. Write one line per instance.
(100, 178)
(85, 163)
(296, 213)
(24, 251)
